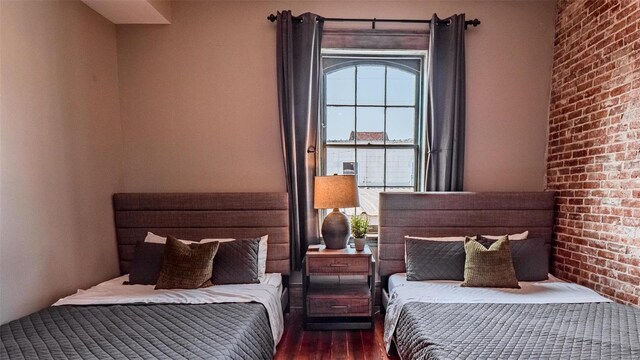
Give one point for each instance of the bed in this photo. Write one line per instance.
(438, 319)
(112, 320)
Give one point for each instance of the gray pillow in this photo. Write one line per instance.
(434, 260)
(236, 262)
(530, 258)
(147, 263)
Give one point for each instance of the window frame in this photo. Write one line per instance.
(354, 57)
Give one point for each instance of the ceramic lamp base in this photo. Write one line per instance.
(335, 230)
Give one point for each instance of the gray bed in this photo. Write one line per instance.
(597, 330)
(166, 331)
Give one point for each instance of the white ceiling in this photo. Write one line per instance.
(133, 11)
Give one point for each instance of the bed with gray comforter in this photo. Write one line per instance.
(564, 329)
(518, 331)
(159, 331)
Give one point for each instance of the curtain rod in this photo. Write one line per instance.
(474, 22)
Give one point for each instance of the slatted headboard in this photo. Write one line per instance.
(195, 216)
(458, 214)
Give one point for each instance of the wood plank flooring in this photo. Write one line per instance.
(320, 345)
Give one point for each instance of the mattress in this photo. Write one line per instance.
(551, 319)
(112, 320)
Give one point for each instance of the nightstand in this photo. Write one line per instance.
(338, 289)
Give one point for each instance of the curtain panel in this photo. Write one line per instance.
(445, 111)
(299, 74)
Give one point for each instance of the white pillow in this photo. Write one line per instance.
(263, 246)
(443, 238)
(520, 236)
(157, 239)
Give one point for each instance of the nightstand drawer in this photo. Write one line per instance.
(338, 307)
(338, 265)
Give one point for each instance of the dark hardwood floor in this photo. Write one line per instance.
(356, 344)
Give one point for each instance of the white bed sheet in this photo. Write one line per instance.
(552, 291)
(112, 292)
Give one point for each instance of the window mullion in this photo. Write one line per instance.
(355, 130)
(384, 134)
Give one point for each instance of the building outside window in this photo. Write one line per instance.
(372, 121)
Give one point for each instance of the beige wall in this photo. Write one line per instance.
(61, 152)
(199, 103)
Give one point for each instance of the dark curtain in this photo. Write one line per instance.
(445, 126)
(299, 76)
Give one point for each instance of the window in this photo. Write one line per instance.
(371, 122)
(349, 168)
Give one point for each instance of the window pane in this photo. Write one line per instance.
(401, 167)
(401, 189)
(401, 125)
(401, 87)
(370, 167)
(369, 200)
(341, 87)
(370, 85)
(370, 125)
(340, 161)
(340, 124)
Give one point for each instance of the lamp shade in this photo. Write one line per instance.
(335, 191)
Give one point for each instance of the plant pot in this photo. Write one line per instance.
(359, 242)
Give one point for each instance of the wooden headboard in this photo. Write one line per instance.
(195, 216)
(458, 214)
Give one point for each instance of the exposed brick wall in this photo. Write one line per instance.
(593, 159)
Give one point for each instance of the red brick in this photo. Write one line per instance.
(593, 157)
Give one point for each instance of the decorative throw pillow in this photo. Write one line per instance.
(434, 260)
(236, 262)
(491, 267)
(186, 266)
(147, 264)
(530, 258)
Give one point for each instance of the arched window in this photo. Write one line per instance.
(371, 122)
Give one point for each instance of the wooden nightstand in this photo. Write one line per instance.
(338, 289)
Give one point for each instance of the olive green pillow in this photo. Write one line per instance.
(492, 267)
(186, 266)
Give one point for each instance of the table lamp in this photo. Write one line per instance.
(335, 192)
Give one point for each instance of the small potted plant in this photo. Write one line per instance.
(359, 226)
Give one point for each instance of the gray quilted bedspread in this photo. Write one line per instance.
(518, 331)
(167, 331)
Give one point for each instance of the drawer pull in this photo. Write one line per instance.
(339, 265)
(339, 306)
